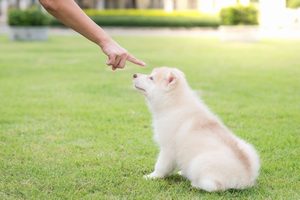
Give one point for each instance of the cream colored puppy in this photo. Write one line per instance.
(191, 138)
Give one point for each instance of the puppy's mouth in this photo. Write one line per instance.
(139, 88)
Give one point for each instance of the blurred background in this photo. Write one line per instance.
(280, 18)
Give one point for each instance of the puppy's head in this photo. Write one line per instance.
(161, 82)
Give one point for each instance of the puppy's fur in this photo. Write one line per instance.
(191, 138)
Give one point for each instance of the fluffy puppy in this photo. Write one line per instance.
(191, 138)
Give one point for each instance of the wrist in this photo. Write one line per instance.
(103, 40)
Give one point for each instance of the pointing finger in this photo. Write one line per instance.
(136, 61)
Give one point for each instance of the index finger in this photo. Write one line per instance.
(136, 61)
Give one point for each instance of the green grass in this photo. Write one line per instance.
(72, 129)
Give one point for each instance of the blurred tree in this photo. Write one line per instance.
(84, 3)
(32, 2)
(80, 2)
(18, 2)
(293, 3)
(131, 4)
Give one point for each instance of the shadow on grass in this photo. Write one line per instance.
(182, 181)
(176, 179)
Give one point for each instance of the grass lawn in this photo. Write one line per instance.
(72, 129)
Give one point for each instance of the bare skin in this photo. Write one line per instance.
(69, 13)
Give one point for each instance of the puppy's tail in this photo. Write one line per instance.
(254, 160)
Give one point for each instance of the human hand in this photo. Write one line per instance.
(117, 55)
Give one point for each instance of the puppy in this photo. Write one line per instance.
(191, 138)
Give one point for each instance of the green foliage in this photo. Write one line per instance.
(239, 15)
(147, 12)
(293, 3)
(154, 21)
(28, 17)
(150, 18)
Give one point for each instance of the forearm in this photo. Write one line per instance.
(69, 13)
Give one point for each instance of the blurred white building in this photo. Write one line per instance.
(208, 6)
(273, 13)
(214, 6)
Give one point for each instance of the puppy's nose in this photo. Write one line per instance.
(134, 75)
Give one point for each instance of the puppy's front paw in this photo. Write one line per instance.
(153, 175)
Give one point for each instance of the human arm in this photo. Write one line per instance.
(69, 13)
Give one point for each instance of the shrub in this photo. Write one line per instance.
(150, 18)
(148, 13)
(239, 15)
(141, 21)
(28, 17)
(293, 3)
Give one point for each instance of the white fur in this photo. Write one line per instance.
(191, 138)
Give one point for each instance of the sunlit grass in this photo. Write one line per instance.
(72, 129)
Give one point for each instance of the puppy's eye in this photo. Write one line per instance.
(151, 78)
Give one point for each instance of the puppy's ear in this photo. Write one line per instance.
(172, 79)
